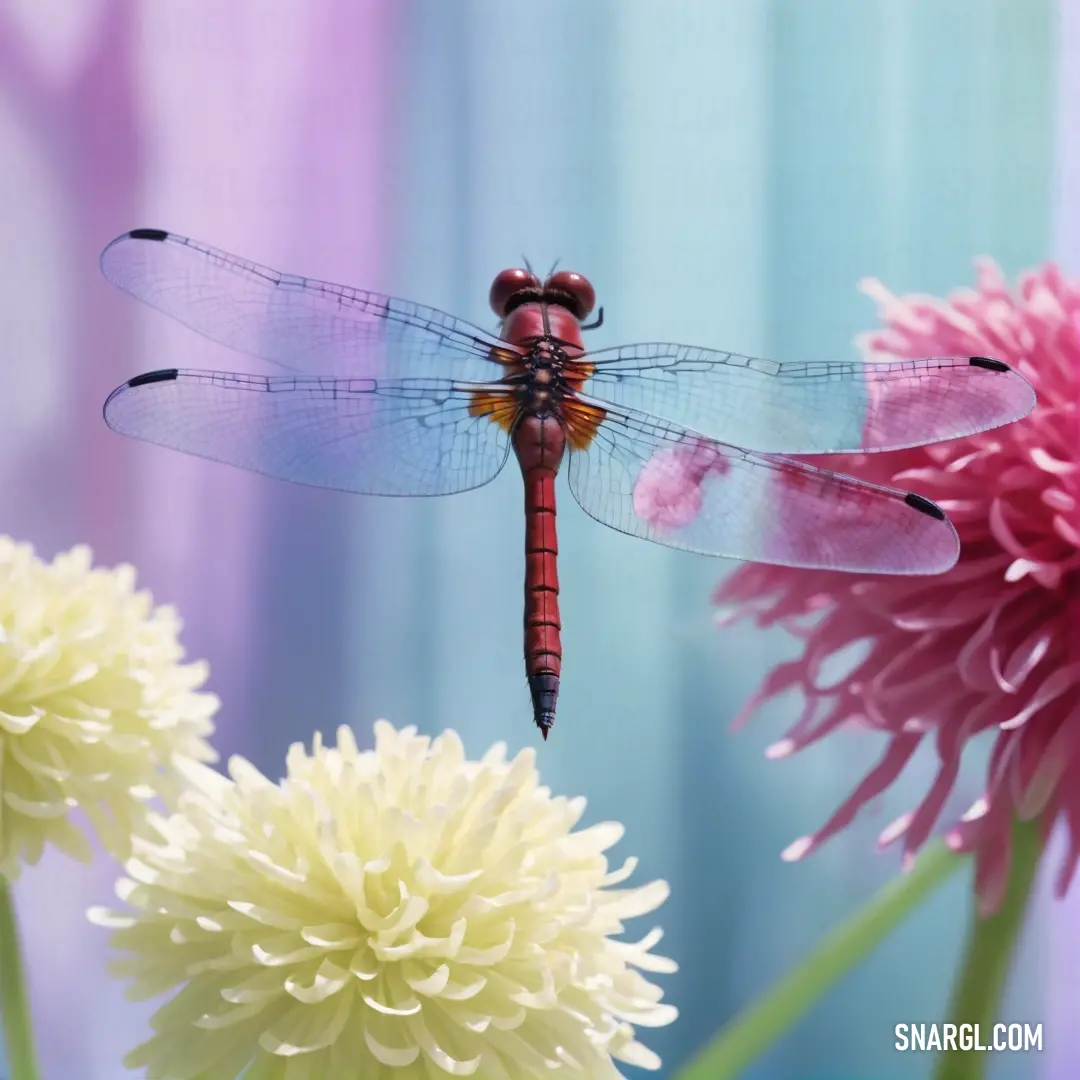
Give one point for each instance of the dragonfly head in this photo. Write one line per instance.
(512, 288)
(572, 291)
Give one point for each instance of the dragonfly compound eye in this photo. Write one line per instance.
(574, 291)
(507, 286)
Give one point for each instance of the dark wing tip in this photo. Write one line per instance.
(988, 363)
(924, 506)
(164, 375)
(135, 234)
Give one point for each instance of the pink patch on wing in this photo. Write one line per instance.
(797, 493)
(668, 491)
(890, 416)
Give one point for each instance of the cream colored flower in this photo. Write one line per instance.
(95, 707)
(399, 912)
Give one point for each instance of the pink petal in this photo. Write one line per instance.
(1059, 499)
(894, 830)
(798, 849)
(1067, 871)
(973, 663)
(1067, 531)
(1041, 457)
(1039, 768)
(1022, 661)
(1056, 684)
(993, 857)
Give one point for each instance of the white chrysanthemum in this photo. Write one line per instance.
(398, 912)
(96, 708)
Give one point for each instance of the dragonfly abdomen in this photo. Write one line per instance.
(540, 442)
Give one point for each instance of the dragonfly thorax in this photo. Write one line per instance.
(542, 384)
(538, 326)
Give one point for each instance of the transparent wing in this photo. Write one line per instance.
(662, 483)
(305, 325)
(815, 407)
(415, 437)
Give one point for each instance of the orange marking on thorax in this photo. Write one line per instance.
(581, 421)
(498, 405)
(577, 374)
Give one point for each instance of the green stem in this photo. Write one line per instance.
(14, 1007)
(988, 955)
(759, 1025)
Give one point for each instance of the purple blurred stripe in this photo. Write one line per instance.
(340, 169)
(1067, 181)
(84, 128)
(1061, 1060)
(337, 181)
(100, 165)
(260, 127)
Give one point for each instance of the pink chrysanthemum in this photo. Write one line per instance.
(994, 644)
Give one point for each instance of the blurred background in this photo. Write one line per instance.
(725, 171)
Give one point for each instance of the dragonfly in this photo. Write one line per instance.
(688, 447)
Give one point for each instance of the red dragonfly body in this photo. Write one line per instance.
(544, 323)
(688, 447)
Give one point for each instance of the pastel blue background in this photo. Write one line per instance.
(725, 171)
